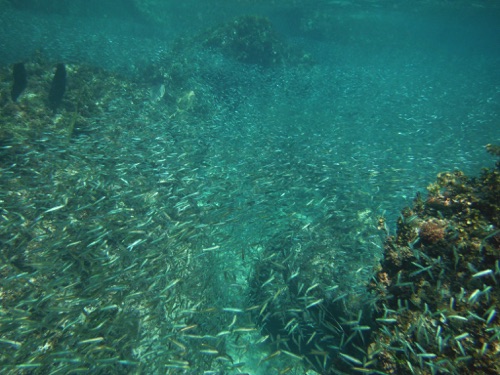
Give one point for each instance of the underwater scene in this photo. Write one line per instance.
(249, 187)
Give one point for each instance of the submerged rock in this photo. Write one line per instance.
(437, 288)
(250, 39)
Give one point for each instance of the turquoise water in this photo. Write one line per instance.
(137, 246)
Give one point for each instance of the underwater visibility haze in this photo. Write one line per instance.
(249, 187)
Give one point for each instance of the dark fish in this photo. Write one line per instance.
(58, 87)
(20, 80)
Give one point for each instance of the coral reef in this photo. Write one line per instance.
(136, 218)
(66, 303)
(31, 115)
(433, 299)
(437, 286)
(249, 39)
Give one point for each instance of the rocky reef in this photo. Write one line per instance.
(149, 226)
(437, 286)
(432, 303)
(249, 39)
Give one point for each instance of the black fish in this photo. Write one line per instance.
(58, 87)
(20, 80)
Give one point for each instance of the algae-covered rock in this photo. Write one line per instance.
(248, 39)
(493, 149)
(79, 92)
(437, 287)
